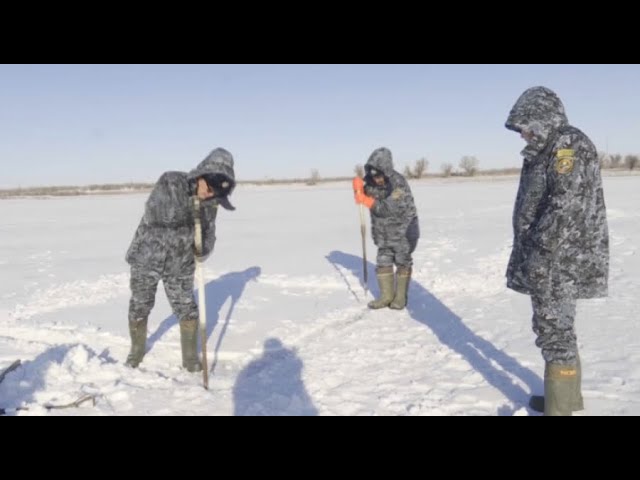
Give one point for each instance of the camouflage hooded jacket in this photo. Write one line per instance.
(393, 216)
(561, 238)
(164, 240)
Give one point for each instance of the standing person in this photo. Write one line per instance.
(561, 239)
(394, 224)
(163, 248)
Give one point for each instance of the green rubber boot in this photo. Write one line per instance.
(385, 282)
(189, 343)
(577, 403)
(402, 288)
(138, 333)
(560, 382)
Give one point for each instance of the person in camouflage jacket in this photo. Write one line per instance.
(394, 226)
(561, 239)
(163, 248)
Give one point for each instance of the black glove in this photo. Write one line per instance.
(201, 258)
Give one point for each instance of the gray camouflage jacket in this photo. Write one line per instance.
(393, 216)
(164, 240)
(561, 237)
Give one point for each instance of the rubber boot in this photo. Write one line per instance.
(189, 343)
(138, 333)
(577, 403)
(402, 288)
(560, 382)
(385, 282)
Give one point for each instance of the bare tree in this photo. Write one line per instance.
(469, 165)
(632, 161)
(359, 171)
(408, 173)
(615, 160)
(446, 168)
(605, 161)
(420, 167)
(314, 178)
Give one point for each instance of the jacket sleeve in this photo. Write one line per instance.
(154, 211)
(567, 183)
(167, 204)
(395, 205)
(208, 213)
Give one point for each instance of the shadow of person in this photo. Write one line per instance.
(494, 365)
(339, 259)
(272, 385)
(218, 291)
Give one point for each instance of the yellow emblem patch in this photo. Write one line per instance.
(565, 161)
(397, 194)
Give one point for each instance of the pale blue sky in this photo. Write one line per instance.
(80, 124)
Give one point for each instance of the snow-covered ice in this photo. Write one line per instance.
(288, 329)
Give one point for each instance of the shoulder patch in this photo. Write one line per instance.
(397, 194)
(565, 161)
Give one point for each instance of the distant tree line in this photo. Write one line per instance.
(63, 191)
(617, 161)
(468, 166)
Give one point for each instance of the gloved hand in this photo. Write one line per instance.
(358, 192)
(365, 200)
(198, 254)
(358, 185)
(201, 258)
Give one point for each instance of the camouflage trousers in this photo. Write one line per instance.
(399, 255)
(553, 324)
(179, 290)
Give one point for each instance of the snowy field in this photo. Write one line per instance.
(288, 328)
